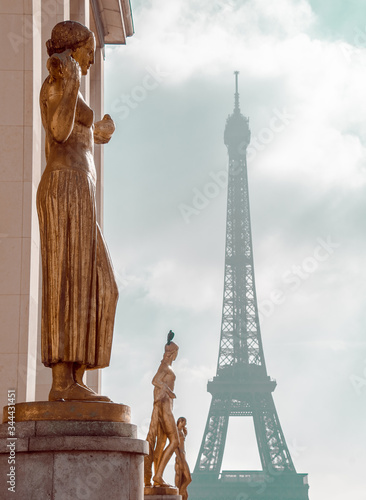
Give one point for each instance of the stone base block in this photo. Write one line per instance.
(162, 493)
(160, 490)
(64, 460)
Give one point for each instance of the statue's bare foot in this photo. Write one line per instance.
(81, 383)
(159, 481)
(78, 373)
(75, 392)
(88, 388)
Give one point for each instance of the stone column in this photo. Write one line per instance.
(20, 169)
(80, 11)
(97, 104)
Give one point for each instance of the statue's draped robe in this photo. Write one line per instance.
(156, 439)
(79, 292)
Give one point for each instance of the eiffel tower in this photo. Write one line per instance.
(241, 386)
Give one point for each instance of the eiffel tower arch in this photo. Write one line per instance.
(242, 386)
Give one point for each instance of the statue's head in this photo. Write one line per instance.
(182, 425)
(73, 36)
(171, 351)
(171, 348)
(181, 422)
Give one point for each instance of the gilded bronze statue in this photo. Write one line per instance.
(162, 425)
(79, 292)
(182, 473)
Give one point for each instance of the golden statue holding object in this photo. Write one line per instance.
(79, 292)
(162, 425)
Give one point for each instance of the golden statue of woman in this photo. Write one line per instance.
(182, 473)
(79, 292)
(162, 425)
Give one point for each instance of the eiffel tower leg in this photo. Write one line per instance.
(273, 451)
(214, 438)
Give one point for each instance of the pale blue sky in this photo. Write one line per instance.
(302, 83)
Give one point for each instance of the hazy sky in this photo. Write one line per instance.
(303, 84)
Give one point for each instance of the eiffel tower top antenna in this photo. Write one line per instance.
(236, 106)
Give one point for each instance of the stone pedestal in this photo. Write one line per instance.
(161, 493)
(68, 410)
(78, 460)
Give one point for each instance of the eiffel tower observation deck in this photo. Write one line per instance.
(242, 387)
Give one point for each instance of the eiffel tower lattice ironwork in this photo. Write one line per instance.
(241, 386)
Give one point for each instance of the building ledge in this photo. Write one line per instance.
(113, 21)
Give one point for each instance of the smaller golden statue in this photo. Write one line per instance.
(182, 473)
(162, 425)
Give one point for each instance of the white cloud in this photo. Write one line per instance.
(170, 284)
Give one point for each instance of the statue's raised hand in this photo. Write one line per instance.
(72, 69)
(63, 66)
